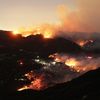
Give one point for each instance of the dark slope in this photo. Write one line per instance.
(14, 48)
(36, 44)
(86, 87)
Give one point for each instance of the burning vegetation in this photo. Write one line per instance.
(64, 66)
(46, 30)
(46, 61)
(37, 82)
(82, 43)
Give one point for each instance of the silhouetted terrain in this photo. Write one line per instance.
(37, 44)
(20, 55)
(86, 87)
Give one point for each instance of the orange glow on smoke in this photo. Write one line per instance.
(47, 31)
(23, 88)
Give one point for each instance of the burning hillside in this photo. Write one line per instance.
(38, 63)
(47, 30)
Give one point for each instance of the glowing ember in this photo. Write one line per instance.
(23, 88)
(83, 42)
(71, 62)
(47, 31)
(37, 84)
(67, 60)
(20, 62)
(78, 65)
(36, 81)
(29, 75)
(57, 59)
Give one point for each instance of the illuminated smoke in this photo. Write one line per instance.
(62, 68)
(79, 64)
(83, 18)
(79, 23)
(69, 20)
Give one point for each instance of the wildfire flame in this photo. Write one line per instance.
(74, 63)
(71, 62)
(83, 42)
(23, 88)
(47, 34)
(46, 30)
(37, 82)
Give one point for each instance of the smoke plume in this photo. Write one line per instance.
(78, 24)
(89, 14)
(84, 18)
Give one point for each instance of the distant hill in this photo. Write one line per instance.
(15, 48)
(37, 44)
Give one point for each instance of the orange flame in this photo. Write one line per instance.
(37, 82)
(83, 42)
(23, 88)
(46, 30)
(71, 62)
(48, 34)
(77, 64)
(74, 64)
